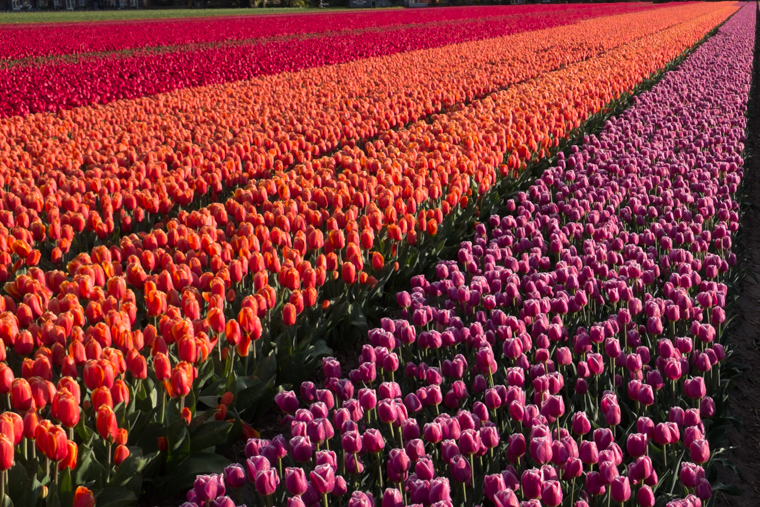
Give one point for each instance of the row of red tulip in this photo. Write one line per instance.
(104, 79)
(39, 40)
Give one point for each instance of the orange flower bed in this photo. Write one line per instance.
(288, 235)
(143, 157)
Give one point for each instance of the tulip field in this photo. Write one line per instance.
(467, 256)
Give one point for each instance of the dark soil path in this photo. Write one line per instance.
(744, 339)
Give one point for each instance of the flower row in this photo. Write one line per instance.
(28, 88)
(40, 40)
(131, 174)
(568, 355)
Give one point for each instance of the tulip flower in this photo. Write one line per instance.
(266, 482)
(83, 497)
(107, 425)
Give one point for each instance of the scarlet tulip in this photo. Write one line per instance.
(65, 408)
(106, 423)
(6, 453)
(83, 497)
(289, 314)
(120, 454)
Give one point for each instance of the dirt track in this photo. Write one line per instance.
(745, 336)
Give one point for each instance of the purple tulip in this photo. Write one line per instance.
(295, 481)
(206, 487)
(506, 498)
(699, 451)
(267, 481)
(360, 499)
(636, 444)
(440, 491)
(531, 483)
(323, 479)
(551, 494)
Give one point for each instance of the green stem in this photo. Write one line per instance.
(572, 492)
(108, 470)
(163, 404)
(380, 470)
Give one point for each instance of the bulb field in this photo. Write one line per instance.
(454, 256)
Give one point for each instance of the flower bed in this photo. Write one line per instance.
(572, 348)
(152, 349)
(40, 40)
(290, 125)
(50, 87)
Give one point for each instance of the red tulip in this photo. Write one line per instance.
(232, 332)
(120, 392)
(120, 454)
(70, 461)
(83, 497)
(187, 415)
(139, 367)
(106, 423)
(349, 273)
(21, 395)
(6, 453)
(289, 314)
(6, 378)
(65, 408)
(216, 320)
(30, 425)
(181, 381)
(162, 367)
(56, 444)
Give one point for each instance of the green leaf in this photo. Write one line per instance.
(729, 489)
(116, 497)
(66, 488)
(89, 469)
(127, 476)
(210, 435)
(148, 438)
(179, 441)
(19, 486)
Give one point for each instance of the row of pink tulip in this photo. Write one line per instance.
(569, 354)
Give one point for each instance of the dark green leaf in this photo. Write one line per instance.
(210, 435)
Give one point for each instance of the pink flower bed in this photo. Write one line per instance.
(569, 354)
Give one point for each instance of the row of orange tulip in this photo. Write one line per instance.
(106, 168)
